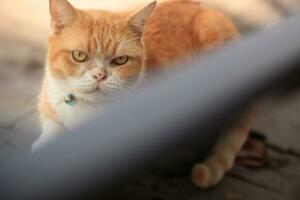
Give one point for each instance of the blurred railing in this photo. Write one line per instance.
(186, 106)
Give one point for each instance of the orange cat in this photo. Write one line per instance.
(93, 55)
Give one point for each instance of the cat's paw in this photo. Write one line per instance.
(203, 176)
(37, 145)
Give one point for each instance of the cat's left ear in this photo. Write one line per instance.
(139, 19)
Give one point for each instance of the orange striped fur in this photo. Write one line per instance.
(176, 30)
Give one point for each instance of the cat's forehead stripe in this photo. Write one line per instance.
(110, 40)
(92, 44)
(107, 46)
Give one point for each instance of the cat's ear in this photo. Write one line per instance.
(62, 14)
(139, 19)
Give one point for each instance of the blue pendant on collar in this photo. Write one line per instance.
(70, 100)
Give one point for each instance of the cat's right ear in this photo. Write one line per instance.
(62, 15)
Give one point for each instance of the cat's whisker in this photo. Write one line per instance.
(129, 87)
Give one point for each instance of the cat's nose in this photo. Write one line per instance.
(99, 74)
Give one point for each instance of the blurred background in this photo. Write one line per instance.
(24, 27)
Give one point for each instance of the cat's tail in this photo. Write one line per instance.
(222, 157)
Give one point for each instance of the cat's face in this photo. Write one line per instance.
(96, 53)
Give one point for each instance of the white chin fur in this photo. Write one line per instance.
(93, 97)
(87, 89)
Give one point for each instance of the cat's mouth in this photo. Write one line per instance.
(103, 89)
(99, 88)
(90, 90)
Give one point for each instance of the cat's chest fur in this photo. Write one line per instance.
(70, 116)
(73, 116)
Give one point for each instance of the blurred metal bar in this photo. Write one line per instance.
(170, 112)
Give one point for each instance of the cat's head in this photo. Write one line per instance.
(96, 53)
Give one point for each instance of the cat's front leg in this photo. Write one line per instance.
(50, 130)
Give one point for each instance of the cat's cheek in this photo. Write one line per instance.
(81, 71)
(131, 71)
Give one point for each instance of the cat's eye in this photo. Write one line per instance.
(79, 56)
(122, 60)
